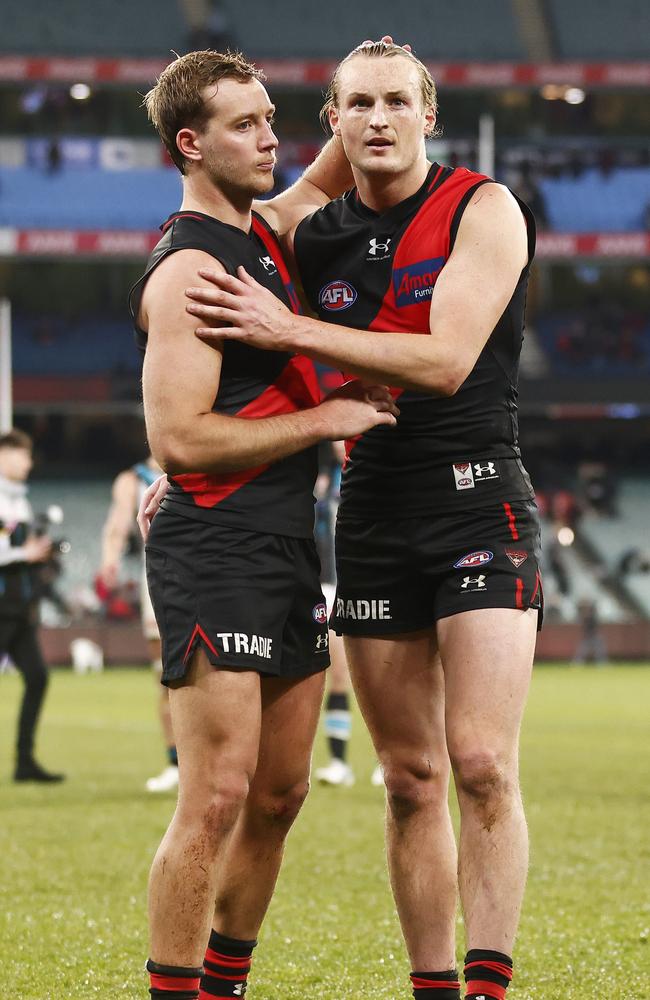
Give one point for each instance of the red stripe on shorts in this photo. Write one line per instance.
(511, 522)
(198, 631)
(519, 591)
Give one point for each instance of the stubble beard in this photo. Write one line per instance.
(227, 177)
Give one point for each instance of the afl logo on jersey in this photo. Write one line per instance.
(474, 559)
(319, 613)
(337, 295)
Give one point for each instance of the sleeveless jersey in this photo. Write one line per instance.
(276, 498)
(377, 271)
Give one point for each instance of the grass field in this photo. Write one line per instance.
(75, 858)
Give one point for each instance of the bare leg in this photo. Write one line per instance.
(400, 689)
(487, 657)
(216, 717)
(251, 862)
(164, 710)
(338, 681)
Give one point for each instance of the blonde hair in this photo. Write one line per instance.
(177, 100)
(380, 50)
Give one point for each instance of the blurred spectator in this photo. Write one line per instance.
(22, 552)
(557, 567)
(634, 561)
(591, 646)
(565, 509)
(599, 487)
(527, 189)
(53, 158)
(215, 32)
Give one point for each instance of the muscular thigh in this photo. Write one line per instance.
(487, 656)
(216, 716)
(399, 685)
(290, 713)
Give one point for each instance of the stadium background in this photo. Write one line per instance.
(552, 96)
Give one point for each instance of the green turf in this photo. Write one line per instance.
(75, 858)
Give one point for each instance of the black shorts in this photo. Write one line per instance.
(403, 575)
(252, 601)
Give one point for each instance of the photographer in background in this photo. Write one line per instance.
(20, 552)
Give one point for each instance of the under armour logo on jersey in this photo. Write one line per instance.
(269, 265)
(473, 583)
(322, 641)
(377, 250)
(486, 470)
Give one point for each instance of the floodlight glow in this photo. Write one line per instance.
(574, 95)
(552, 92)
(80, 91)
(565, 536)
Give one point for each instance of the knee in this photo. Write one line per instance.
(414, 784)
(221, 808)
(277, 808)
(482, 776)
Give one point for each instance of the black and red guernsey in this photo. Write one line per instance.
(376, 271)
(276, 498)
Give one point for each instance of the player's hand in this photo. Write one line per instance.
(256, 316)
(354, 408)
(38, 548)
(151, 501)
(108, 575)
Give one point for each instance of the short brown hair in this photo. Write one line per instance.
(380, 49)
(177, 100)
(16, 439)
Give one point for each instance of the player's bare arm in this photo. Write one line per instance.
(118, 524)
(181, 378)
(471, 293)
(326, 178)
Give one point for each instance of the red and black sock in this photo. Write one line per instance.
(173, 982)
(487, 974)
(225, 967)
(436, 985)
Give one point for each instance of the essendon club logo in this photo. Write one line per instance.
(463, 475)
(337, 295)
(516, 557)
(414, 283)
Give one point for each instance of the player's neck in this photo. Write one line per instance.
(381, 191)
(201, 195)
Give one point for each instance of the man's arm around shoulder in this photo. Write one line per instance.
(181, 378)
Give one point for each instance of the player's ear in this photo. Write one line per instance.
(186, 141)
(333, 115)
(429, 121)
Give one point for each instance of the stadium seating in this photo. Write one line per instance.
(597, 201)
(78, 347)
(583, 343)
(88, 198)
(464, 30)
(103, 27)
(599, 29)
(613, 537)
